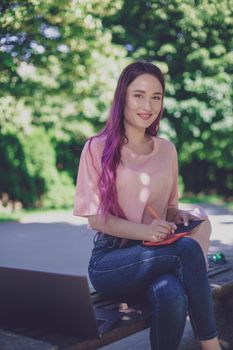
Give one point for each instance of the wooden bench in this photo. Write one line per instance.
(136, 319)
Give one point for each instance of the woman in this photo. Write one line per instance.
(123, 170)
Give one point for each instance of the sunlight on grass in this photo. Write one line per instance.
(23, 213)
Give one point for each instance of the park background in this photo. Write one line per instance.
(59, 64)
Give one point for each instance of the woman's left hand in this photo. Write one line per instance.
(184, 217)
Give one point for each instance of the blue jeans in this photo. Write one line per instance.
(173, 278)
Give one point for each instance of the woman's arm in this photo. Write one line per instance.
(157, 231)
(179, 216)
(118, 227)
(171, 213)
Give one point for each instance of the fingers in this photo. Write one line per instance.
(165, 226)
(163, 229)
(161, 236)
(186, 217)
(197, 214)
(173, 226)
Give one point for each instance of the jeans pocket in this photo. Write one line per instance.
(104, 241)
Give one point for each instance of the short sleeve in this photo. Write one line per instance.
(173, 198)
(87, 199)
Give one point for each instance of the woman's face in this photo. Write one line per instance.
(143, 101)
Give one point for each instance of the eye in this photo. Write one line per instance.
(138, 95)
(156, 98)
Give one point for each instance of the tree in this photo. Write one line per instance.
(191, 41)
(58, 71)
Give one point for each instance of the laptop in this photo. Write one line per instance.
(51, 301)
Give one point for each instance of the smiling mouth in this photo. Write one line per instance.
(145, 116)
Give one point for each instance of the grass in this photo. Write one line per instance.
(211, 199)
(22, 213)
(10, 216)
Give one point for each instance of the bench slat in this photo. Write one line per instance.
(137, 321)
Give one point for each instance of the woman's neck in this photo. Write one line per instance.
(140, 143)
(136, 137)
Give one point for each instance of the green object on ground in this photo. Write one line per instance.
(217, 258)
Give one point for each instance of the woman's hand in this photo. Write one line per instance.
(185, 216)
(159, 230)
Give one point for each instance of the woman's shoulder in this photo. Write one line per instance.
(165, 145)
(95, 144)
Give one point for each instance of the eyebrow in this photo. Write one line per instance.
(142, 91)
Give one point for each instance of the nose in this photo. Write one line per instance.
(147, 105)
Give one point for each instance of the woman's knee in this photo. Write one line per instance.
(205, 227)
(191, 251)
(167, 293)
(202, 233)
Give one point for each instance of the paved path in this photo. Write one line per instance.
(62, 243)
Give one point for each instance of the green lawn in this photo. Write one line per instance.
(22, 213)
(212, 199)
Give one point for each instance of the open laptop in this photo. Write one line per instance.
(51, 301)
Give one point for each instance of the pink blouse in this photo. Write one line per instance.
(141, 179)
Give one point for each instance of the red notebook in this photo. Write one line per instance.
(179, 232)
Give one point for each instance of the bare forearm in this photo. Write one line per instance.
(119, 227)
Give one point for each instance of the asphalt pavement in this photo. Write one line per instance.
(62, 243)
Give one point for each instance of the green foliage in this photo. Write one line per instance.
(60, 61)
(60, 193)
(191, 41)
(58, 72)
(40, 162)
(29, 174)
(58, 57)
(13, 173)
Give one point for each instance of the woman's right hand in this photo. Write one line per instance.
(159, 230)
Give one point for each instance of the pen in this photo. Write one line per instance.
(153, 212)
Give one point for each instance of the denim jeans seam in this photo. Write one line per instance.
(209, 337)
(180, 271)
(192, 320)
(193, 323)
(189, 309)
(157, 319)
(136, 263)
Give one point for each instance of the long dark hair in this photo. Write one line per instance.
(114, 135)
